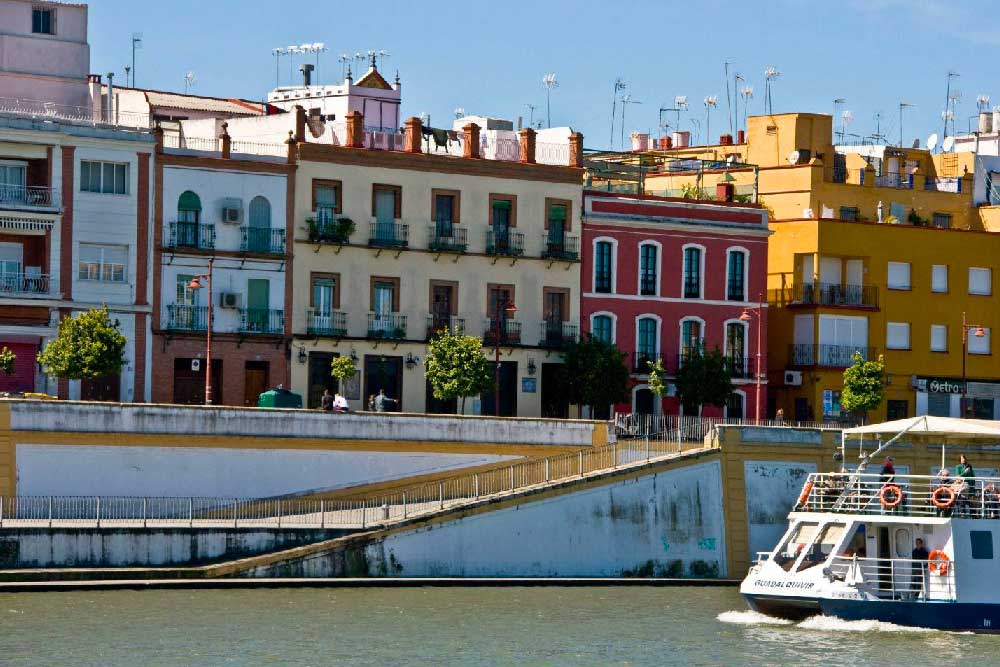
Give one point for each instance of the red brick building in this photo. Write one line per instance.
(663, 278)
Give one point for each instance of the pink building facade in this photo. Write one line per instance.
(665, 278)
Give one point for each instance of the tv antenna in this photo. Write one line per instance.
(315, 48)
(837, 104)
(531, 114)
(747, 93)
(136, 44)
(770, 74)
(277, 53)
(627, 100)
(729, 102)
(947, 101)
(550, 82)
(846, 118)
(459, 112)
(902, 105)
(620, 85)
(189, 80)
(127, 70)
(711, 102)
(344, 59)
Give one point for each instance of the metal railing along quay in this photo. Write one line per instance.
(363, 511)
(674, 428)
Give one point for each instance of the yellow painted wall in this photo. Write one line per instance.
(415, 268)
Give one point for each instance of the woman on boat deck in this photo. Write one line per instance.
(967, 476)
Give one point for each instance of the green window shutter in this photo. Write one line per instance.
(189, 201)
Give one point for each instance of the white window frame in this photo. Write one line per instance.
(102, 163)
(701, 271)
(973, 339)
(658, 352)
(746, 273)
(614, 324)
(935, 267)
(614, 264)
(746, 335)
(102, 247)
(989, 272)
(680, 333)
(659, 265)
(939, 327)
(889, 326)
(909, 276)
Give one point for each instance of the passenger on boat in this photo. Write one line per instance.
(919, 568)
(965, 490)
(888, 471)
(943, 479)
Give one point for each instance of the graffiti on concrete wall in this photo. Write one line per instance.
(772, 487)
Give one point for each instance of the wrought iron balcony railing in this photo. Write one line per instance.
(831, 356)
(560, 246)
(262, 321)
(23, 283)
(446, 239)
(390, 326)
(557, 334)
(437, 322)
(326, 323)
(28, 196)
(507, 332)
(506, 243)
(262, 240)
(388, 234)
(182, 317)
(192, 235)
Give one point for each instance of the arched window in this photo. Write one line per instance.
(604, 266)
(649, 269)
(189, 208)
(736, 345)
(602, 329)
(692, 338)
(260, 212)
(258, 231)
(646, 344)
(693, 258)
(736, 274)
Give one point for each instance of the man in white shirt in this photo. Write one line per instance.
(340, 403)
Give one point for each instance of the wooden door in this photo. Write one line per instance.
(255, 381)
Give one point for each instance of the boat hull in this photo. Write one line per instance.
(787, 607)
(972, 617)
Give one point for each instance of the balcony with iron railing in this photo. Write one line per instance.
(437, 322)
(28, 197)
(24, 284)
(827, 294)
(261, 321)
(826, 355)
(446, 238)
(557, 334)
(262, 240)
(506, 332)
(740, 367)
(383, 234)
(387, 326)
(330, 229)
(182, 317)
(560, 246)
(504, 243)
(190, 235)
(641, 360)
(326, 323)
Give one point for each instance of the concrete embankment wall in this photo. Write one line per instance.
(80, 448)
(129, 547)
(664, 520)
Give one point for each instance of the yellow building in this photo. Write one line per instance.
(877, 249)
(391, 246)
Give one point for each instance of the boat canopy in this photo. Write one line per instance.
(938, 427)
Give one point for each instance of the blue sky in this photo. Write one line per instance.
(489, 58)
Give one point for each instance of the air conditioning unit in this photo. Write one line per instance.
(232, 211)
(793, 378)
(229, 300)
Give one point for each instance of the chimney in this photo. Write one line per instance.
(300, 123)
(227, 142)
(640, 141)
(307, 70)
(111, 98)
(355, 130)
(724, 191)
(576, 150)
(413, 135)
(470, 140)
(741, 137)
(666, 143)
(726, 139)
(682, 138)
(527, 141)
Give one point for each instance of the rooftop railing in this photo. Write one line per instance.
(73, 114)
(943, 184)
(901, 495)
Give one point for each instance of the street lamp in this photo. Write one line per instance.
(748, 315)
(504, 308)
(196, 284)
(978, 332)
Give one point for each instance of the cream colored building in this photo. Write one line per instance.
(437, 240)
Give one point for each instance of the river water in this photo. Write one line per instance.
(480, 627)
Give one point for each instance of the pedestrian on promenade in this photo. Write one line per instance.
(382, 401)
(327, 401)
(340, 403)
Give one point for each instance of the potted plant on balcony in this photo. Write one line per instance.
(345, 227)
(399, 333)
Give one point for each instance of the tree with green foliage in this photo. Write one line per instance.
(704, 378)
(594, 373)
(7, 359)
(343, 369)
(87, 347)
(456, 368)
(864, 385)
(657, 381)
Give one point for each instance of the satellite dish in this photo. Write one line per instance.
(948, 144)
(932, 141)
(793, 157)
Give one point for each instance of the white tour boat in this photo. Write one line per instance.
(848, 549)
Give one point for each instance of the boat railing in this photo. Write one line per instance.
(896, 578)
(903, 495)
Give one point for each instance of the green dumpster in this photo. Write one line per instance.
(279, 398)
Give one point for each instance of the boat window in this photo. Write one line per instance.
(982, 544)
(823, 546)
(856, 545)
(904, 546)
(797, 540)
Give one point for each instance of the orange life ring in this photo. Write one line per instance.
(937, 562)
(806, 490)
(897, 496)
(940, 503)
